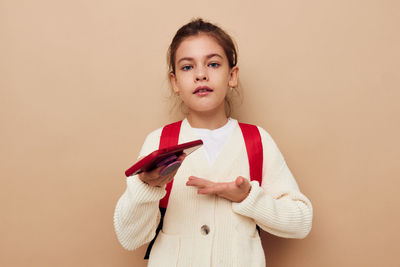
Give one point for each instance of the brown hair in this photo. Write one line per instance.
(196, 27)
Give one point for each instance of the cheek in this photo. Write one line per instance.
(183, 80)
(223, 83)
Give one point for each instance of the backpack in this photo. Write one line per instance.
(252, 139)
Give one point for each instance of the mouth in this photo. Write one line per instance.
(202, 90)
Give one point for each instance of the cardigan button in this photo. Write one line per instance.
(204, 230)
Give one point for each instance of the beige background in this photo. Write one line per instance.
(82, 82)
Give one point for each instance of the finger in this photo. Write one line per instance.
(198, 179)
(242, 182)
(182, 157)
(155, 173)
(216, 188)
(206, 190)
(239, 181)
(195, 184)
(199, 182)
(166, 179)
(149, 175)
(153, 177)
(161, 181)
(192, 180)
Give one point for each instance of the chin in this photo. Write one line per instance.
(207, 106)
(206, 109)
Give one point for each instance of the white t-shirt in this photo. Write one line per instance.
(214, 140)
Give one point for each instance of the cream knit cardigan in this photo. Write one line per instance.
(277, 206)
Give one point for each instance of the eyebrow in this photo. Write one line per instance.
(208, 57)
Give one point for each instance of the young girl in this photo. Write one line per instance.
(213, 207)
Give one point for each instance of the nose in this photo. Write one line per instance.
(201, 78)
(201, 75)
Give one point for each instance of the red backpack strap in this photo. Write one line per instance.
(169, 137)
(252, 139)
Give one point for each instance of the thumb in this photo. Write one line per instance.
(239, 181)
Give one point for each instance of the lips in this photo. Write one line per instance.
(202, 89)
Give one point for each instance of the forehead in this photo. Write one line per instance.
(199, 46)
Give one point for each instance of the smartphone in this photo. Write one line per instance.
(164, 157)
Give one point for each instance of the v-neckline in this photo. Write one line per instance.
(227, 149)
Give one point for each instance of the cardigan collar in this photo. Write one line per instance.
(230, 149)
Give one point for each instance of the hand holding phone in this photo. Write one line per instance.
(162, 174)
(158, 166)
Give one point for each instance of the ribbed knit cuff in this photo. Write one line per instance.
(246, 207)
(142, 192)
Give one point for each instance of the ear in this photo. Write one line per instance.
(233, 77)
(172, 79)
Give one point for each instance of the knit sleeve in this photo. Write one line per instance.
(277, 206)
(137, 215)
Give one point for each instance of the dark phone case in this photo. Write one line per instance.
(150, 161)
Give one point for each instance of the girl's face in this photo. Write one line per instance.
(202, 74)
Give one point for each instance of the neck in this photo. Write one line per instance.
(207, 120)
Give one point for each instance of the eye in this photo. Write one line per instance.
(186, 68)
(214, 65)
